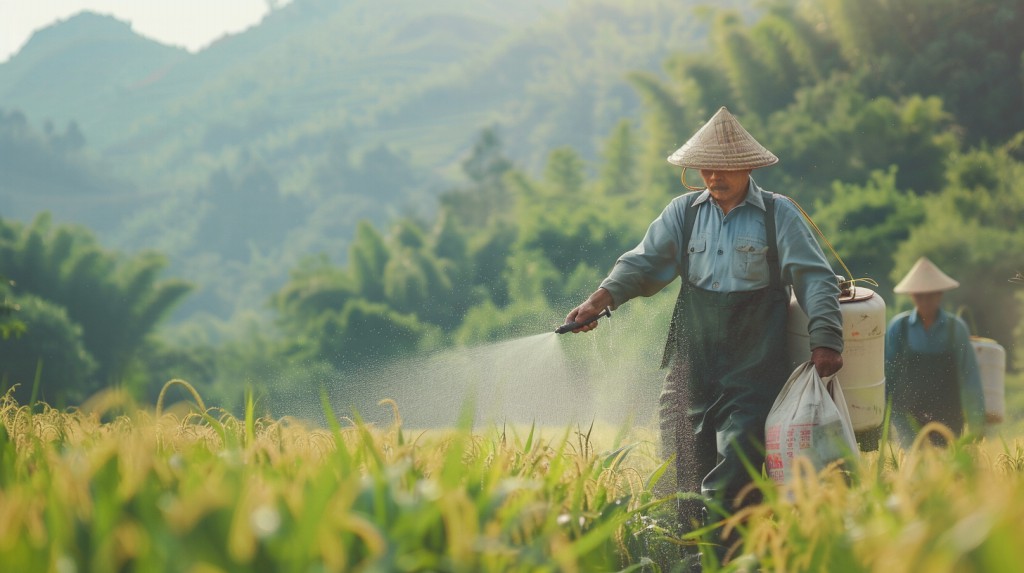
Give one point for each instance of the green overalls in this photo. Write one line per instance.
(728, 360)
(925, 388)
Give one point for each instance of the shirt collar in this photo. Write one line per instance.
(916, 318)
(753, 196)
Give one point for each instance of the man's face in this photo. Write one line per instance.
(723, 183)
(927, 303)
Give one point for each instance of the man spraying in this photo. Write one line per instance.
(738, 249)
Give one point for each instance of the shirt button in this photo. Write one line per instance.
(720, 251)
(714, 285)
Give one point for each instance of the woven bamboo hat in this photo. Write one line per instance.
(722, 143)
(924, 276)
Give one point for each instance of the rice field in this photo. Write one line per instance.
(112, 486)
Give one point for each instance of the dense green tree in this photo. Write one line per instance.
(314, 285)
(665, 122)
(415, 281)
(833, 133)
(9, 324)
(947, 48)
(564, 174)
(757, 87)
(117, 300)
(532, 278)
(368, 257)
(364, 332)
(864, 222)
(50, 346)
(244, 212)
(798, 54)
(841, 90)
(485, 199)
(489, 252)
(488, 323)
(618, 170)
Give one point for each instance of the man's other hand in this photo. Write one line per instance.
(826, 361)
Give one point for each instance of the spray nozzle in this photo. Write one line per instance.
(571, 326)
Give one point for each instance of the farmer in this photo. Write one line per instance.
(738, 249)
(931, 373)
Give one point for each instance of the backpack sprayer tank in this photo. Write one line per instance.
(862, 377)
(992, 367)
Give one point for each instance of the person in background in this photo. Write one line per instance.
(738, 250)
(931, 372)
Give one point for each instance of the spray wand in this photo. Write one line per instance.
(571, 326)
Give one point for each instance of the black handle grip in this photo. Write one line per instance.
(571, 326)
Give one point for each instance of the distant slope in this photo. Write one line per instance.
(422, 78)
(47, 169)
(85, 69)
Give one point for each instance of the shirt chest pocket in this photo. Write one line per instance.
(750, 259)
(700, 266)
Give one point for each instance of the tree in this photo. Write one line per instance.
(945, 48)
(52, 346)
(116, 300)
(665, 120)
(756, 86)
(863, 222)
(486, 199)
(833, 133)
(245, 211)
(368, 257)
(315, 285)
(9, 326)
(618, 163)
(365, 332)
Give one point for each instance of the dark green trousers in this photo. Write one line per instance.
(728, 364)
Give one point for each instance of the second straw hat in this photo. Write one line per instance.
(924, 276)
(722, 143)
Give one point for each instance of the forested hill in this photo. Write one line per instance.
(274, 142)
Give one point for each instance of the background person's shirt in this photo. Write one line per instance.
(937, 339)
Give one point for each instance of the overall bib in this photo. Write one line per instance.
(728, 363)
(925, 389)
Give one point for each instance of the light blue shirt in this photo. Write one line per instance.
(728, 254)
(936, 340)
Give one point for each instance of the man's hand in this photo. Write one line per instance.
(594, 305)
(826, 361)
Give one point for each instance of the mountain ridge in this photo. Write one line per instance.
(361, 110)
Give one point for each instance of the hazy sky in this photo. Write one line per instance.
(192, 24)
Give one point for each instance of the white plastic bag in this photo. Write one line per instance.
(808, 419)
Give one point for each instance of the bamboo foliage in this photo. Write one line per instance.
(116, 300)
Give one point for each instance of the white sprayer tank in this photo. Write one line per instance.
(863, 374)
(992, 366)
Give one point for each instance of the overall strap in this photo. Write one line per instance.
(689, 218)
(774, 270)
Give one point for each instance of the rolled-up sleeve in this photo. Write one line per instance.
(805, 268)
(652, 264)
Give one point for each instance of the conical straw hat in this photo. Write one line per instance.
(722, 144)
(925, 277)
